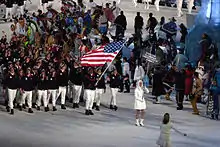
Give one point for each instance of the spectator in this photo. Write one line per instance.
(138, 23)
(121, 24)
(151, 23)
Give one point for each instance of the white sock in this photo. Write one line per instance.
(142, 122)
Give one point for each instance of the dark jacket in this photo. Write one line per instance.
(76, 77)
(42, 83)
(115, 81)
(89, 81)
(52, 83)
(121, 21)
(139, 22)
(158, 86)
(180, 81)
(11, 81)
(62, 79)
(101, 82)
(27, 83)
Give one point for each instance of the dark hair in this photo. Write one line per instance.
(125, 59)
(166, 118)
(139, 62)
(150, 14)
(138, 13)
(196, 74)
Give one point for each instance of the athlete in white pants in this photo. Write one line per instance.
(11, 83)
(9, 9)
(115, 83)
(190, 5)
(26, 95)
(98, 94)
(52, 88)
(179, 8)
(62, 79)
(89, 86)
(156, 3)
(147, 5)
(90, 96)
(11, 97)
(76, 95)
(27, 85)
(42, 94)
(135, 3)
(114, 92)
(100, 89)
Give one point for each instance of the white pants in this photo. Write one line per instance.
(190, 5)
(21, 10)
(50, 3)
(135, 3)
(28, 95)
(43, 7)
(98, 94)
(62, 92)
(156, 3)
(52, 93)
(114, 92)
(90, 96)
(9, 13)
(77, 93)
(11, 97)
(42, 94)
(147, 5)
(179, 7)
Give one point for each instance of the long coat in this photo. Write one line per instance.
(158, 87)
(188, 82)
(139, 103)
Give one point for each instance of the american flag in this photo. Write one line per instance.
(102, 54)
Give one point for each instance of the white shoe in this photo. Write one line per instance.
(142, 122)
(137, 124)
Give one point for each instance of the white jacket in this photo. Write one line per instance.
(139, 103)
(126, 69)
(139, 73)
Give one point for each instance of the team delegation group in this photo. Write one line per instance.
(43, 80)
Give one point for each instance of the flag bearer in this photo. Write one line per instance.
(114, 85)
(100, 89)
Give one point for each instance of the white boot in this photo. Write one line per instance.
(142, 122)
(137, 122)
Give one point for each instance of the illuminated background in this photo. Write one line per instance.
(207, 21)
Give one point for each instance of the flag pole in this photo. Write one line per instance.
(108, 65)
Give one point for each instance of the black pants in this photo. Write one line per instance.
(180, 98)
(126, 84)
(119, 30)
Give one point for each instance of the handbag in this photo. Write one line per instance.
(191, 97)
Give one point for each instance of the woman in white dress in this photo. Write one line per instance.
(164, 139)
(139, 104)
